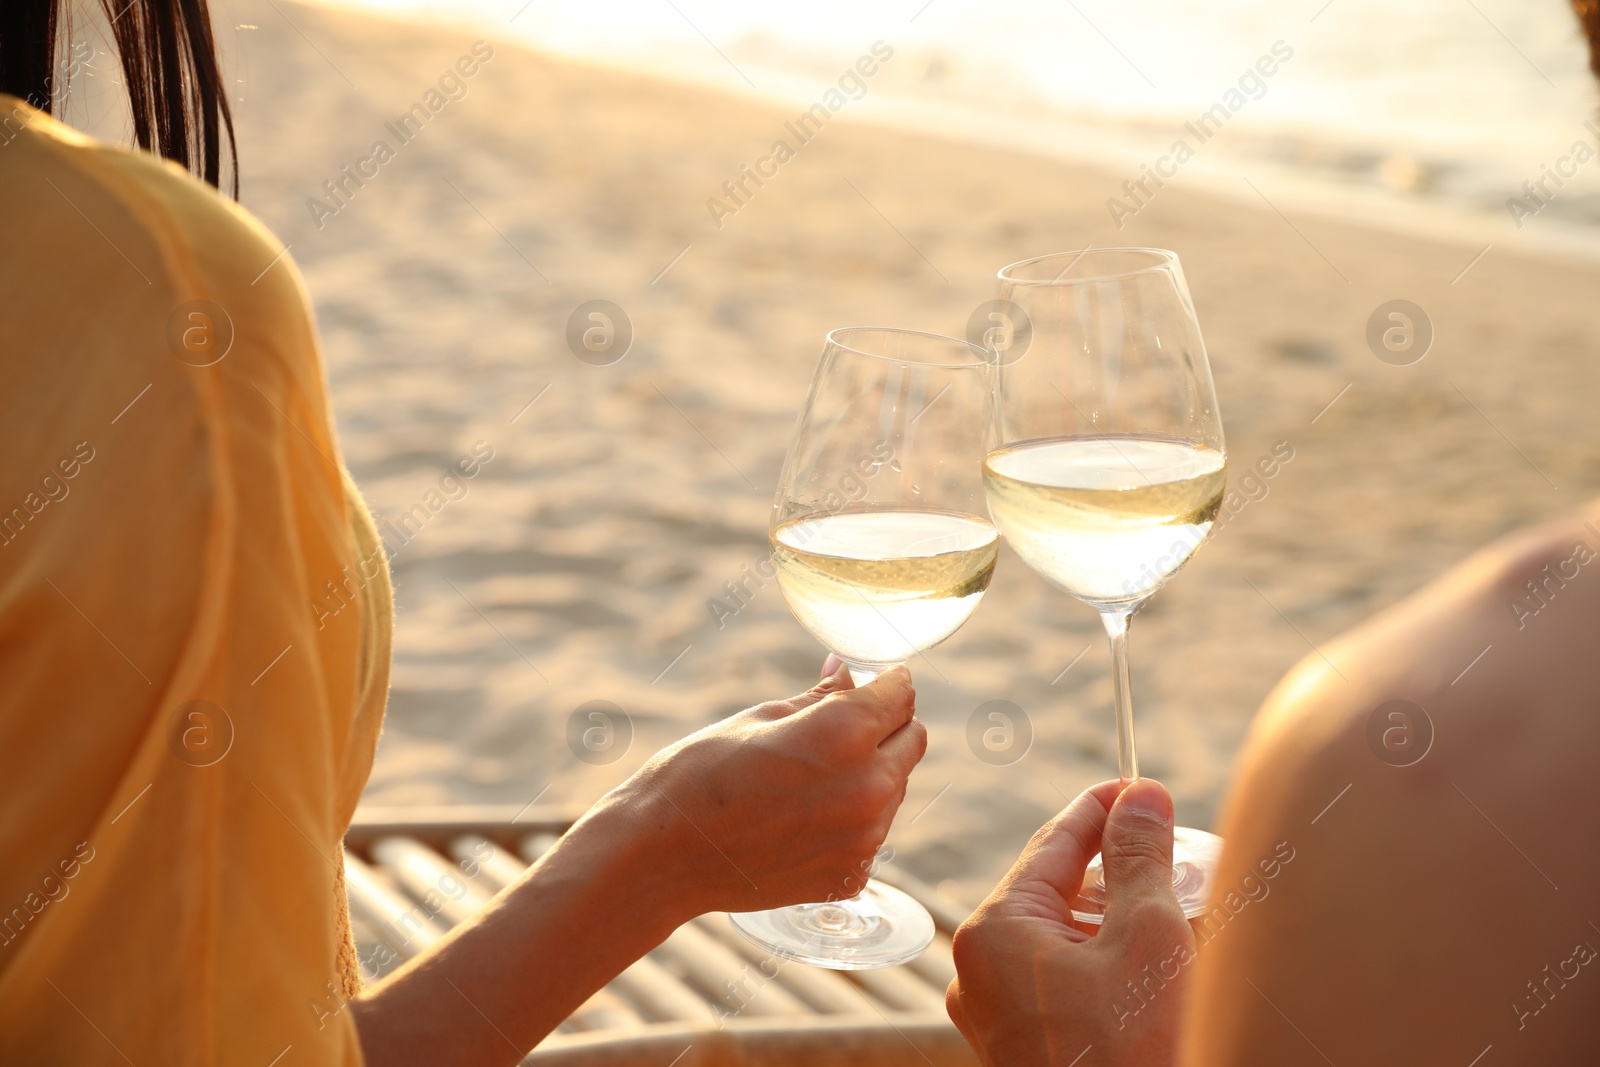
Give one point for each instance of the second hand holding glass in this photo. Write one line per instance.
(882, 551)
(1107, 464)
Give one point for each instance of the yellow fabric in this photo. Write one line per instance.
(171, 533)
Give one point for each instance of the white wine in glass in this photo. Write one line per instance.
(878, 587)
(883, 550)
(1106, 464)
(1108, 519)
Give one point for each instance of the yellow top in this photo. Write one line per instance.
(194, 626)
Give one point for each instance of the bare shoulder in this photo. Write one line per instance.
(1493, 661)
(1421, 791)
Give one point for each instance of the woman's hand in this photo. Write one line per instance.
(1032, 989)
(785, 802)
(782, 803)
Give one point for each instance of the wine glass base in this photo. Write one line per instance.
(881, 927)
(1194, 866)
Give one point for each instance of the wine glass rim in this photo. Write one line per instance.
(1158, 259)
(982, 358)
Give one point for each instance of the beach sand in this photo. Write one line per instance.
(580, 562)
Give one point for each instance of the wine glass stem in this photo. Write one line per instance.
(863, 675)
(1116, 624)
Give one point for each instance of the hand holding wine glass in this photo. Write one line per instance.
(882, 551)
(784, 801)
(1033, 988)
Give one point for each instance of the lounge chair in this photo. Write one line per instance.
(705, 997)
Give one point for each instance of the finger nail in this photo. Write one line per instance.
(1149, 799)
(831, 665)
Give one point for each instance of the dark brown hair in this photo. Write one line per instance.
(1589, 15)
(169, 65)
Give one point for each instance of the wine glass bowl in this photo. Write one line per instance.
(879, 533)
(1106, 464)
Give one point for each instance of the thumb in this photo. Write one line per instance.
(837, 672)
(1136, 850)
(835, 678)
(835, 682)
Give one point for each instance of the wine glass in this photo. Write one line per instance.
(882, 549)
(1105, 463)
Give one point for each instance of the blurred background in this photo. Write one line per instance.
(603, 560)
(1458, 101)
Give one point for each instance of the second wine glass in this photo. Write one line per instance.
(1106, 465)
(882, 549)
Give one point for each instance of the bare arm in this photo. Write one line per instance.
(782, 803)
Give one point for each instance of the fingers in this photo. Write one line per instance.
(958, 1011)
(904, 748)
(1049, 873)
(1136, 849)
(864, 717)
(885, 704)
(830, 668)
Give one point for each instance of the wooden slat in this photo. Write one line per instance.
(722, 977)
(435, 826)
(936, 966)
(913, 1041)
(604, 1011)
(658, 994)
(405, 926)
(946, 916)
(536, 844)
(899, 989)
(497, 867)
(428, 876)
